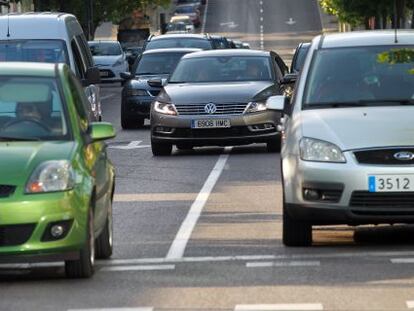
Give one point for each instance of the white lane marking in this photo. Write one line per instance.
(138, 268)
(261, 26)
(283, 264)
(136, 144)
(251, 258)
(107, 97)
(410, 304)
(291, 22)
(203, 27)
(402, 260)
(183, 235)
(116, 309)
(281, 307)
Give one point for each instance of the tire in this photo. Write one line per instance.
(84, 266)
(128, 122)
(295, 233)
(104, 243)
(161, 149)
(274, 145)
(184, 146)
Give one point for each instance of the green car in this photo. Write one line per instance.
(56, 181)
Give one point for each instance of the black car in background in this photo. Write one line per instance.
(299, 57)
(138, 93)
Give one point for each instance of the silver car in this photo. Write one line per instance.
(348, 140)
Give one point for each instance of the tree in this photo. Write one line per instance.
(103, 10)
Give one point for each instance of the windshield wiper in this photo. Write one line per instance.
(11, 138)
(336, 105)
(382, 102)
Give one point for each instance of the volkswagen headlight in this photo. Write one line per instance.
(51, 176)
(320, 151)
(255, 107)
(137, 92)
(165, 108)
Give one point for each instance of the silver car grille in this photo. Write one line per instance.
(221, 109)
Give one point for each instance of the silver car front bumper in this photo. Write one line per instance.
(347, 199)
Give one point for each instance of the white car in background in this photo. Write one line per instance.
(183, 19)
(110, 59)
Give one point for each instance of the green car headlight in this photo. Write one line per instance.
(51, 176)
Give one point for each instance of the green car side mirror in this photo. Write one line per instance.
(101, 131)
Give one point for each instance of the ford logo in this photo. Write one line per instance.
(404, 156)
(210, 108)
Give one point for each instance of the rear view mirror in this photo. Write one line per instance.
(93, 76)
(278, 103)
(101, 131)
(155, 83)
(290, 78)
(126, 75)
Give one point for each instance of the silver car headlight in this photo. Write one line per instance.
(165, 108)
(320, 151)
(255, 107)
(51, 176)
(137, 92)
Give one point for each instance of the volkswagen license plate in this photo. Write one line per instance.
(104, 73)
(391, 183)
(210, 123)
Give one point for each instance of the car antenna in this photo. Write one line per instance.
(8, 25)
(395, 22)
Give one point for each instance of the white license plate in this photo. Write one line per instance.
(391, 183)
(104, 73)
(210, 123)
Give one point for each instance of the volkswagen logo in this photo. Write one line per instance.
(404, 156)
(210, 108)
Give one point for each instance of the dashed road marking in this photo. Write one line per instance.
(281, 307)
(402, 260)
(184, 233)
(138, 268)
(136, 144)
(116, 309)
(107, 97)
(203, 27)
(283, 264)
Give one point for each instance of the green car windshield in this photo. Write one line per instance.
(360, 76)
(31, 109)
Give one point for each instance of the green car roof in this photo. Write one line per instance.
(27, 69)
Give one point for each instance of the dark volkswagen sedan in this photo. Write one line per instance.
(138, 94)
(218, 98)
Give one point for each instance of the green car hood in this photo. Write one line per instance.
(19, 159)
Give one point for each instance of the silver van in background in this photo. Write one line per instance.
(52, 38)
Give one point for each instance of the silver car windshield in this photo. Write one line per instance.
(43, 51)
(222, 69)
(360, 76)
(162, 63)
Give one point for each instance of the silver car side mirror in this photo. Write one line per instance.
(277, 103)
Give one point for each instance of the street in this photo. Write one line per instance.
(201, 229)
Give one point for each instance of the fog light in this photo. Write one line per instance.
(311, 194)
(56, 231)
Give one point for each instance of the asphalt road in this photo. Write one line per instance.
(201, 230)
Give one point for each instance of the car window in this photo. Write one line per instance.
(32, 108)
(300, 57)
(222, 69)
(376, 74)
(87, 55)
(179, 43)
(164, 63)
(80, 65)
(105, 48)
(81, 103)
(185, 9)
(45, 51)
